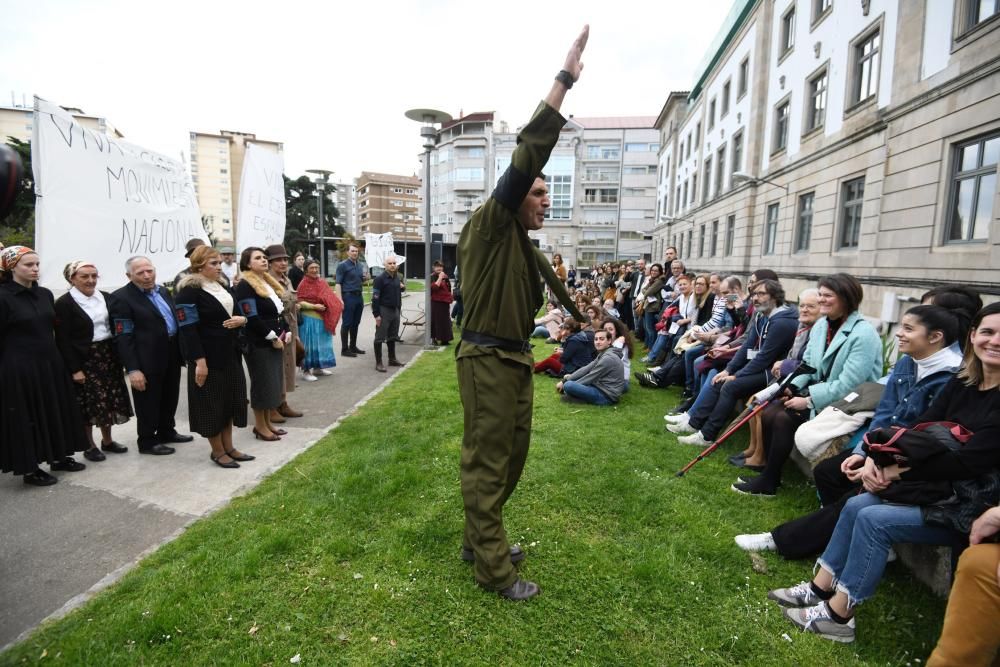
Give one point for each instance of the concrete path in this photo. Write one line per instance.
(61, 544)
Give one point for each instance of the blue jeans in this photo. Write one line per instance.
(540, 332)
(860, 544)
(657, 347)
(704, 396)
(585, 392)
(690, 357)
(649, 321)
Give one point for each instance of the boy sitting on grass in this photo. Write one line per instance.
(602, 381)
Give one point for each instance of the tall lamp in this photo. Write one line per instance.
(322, 178)
(429, 118)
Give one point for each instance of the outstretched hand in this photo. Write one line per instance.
(573, 64)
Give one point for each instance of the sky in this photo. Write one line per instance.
(333, 80)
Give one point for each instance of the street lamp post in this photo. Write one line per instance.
(322, 178)
(429, 118)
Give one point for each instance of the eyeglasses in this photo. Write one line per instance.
(760, 293)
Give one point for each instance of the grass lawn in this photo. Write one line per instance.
(349, 555)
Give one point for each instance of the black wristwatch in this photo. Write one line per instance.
(565, 78)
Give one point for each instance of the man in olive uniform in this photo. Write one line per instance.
(501, 289)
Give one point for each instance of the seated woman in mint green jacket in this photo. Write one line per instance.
(845, 350)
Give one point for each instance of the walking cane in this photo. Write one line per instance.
(747, 415)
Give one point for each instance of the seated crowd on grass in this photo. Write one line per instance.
(729, 349)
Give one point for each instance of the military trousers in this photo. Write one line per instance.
(497, 397)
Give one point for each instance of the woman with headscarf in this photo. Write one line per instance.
(39, 417)
(259, 298)
(83, 335)
(321, 311)
(277, 266)
(208, 324)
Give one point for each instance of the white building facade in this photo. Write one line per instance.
(865, 136)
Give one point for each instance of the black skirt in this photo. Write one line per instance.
(267, 377)
(441, 321)
(223, 398)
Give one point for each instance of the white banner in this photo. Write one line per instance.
(104, 200)
(260, 219)
(377, 247)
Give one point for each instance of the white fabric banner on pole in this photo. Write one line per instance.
(260, 219)
(104, 200)
(377, 247)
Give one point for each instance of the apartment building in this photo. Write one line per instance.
(461, 171)
(832, 135)
(216, 169)
(18, 122)
(387, 203)
(601, 177)
(343, 199)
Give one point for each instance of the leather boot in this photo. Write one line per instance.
(393, 361)
(287, 411)
(276, 417)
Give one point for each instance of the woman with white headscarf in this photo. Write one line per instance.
(83, 335)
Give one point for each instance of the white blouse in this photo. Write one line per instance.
(96, 309)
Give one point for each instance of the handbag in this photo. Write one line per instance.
(912, 448)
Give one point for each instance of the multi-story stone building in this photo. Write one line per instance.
(18, 122)
(388, 203)
(833, 135)
(216, 169)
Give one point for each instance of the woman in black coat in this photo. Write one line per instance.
(83, 335)
(209, 325)
(39, 418)
(259, 299)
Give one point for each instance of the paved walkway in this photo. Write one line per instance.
(61, 544)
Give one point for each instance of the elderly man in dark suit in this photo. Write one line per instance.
(145, 331)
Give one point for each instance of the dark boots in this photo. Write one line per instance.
(378, 358)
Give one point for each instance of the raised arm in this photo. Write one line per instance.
(573, 65)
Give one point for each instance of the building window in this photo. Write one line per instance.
(604, 152)
(820, 9)
(694, 187)
(707, 180)
(770, 230)
(787, 32)
(720, 170)
(737, 152)
(561, 196)
(690, 244)
(688, 146)
(743, 78)
(697, 134)
(803, 232)
(973, 189)
(781, 126)
(714, 247)
(816, 113)
(701, 241)
(677, 202)
(865, 67)
(730, 234)
(711, 114)
(636, 148)
(397, 191)
(684, 201)
(600, 195)
(726, 87)
(978, 11)
(853, 195)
